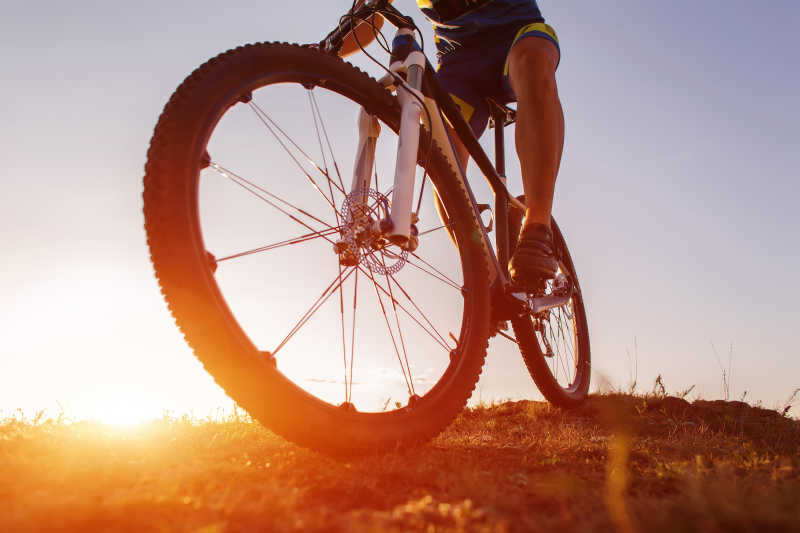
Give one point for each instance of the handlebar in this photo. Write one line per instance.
(333, 42)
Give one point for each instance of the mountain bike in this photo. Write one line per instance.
(320, 248)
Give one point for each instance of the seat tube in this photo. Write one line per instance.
(501, 200)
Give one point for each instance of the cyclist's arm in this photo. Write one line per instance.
(363, 34)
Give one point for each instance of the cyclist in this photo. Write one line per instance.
(502, 49)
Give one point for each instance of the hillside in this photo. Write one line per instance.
(619, 462)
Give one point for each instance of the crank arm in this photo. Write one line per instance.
(538, 304)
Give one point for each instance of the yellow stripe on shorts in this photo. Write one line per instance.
(536, 27)
(466, 110)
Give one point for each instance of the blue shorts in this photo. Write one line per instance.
(478, 69)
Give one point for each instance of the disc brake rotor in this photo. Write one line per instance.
(363, 242)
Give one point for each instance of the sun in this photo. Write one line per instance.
(119, 411)
(126, 416)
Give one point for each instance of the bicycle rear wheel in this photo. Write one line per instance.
(247, 191)
(555, 343)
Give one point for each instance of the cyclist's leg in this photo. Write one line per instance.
(532, 64)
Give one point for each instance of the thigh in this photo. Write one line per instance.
(535, 49)
(462, 74)
(479, 68)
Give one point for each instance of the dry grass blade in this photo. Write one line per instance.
(619, 463)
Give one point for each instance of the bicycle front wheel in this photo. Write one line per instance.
(329, 335)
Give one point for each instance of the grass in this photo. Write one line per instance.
(621, 462)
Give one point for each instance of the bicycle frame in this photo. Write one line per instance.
(422, 86)
(435, 318)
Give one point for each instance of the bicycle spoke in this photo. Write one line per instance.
(553, 360)
(557, 356)
(560, 355)
(557, 363)
(272, 126)
(570, 349)
(327, 140)
(388, 327)
(399, 329)
(335, 284)
(353, 337)
(568, 344)
(344, 349)
(322, 153)
(244, 182)
(429, 231)
(569, 341)
(399, 286)
(439, 274)
(441, 343)
(443, 280)
(288, 242)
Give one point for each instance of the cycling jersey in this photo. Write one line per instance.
(451, 34)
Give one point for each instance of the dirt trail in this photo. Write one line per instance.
(618, 463)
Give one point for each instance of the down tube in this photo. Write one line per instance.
(442, 138)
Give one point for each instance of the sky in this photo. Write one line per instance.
(676, 195)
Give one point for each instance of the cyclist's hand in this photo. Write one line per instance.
(364, 33)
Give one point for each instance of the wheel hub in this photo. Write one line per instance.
(362, 241)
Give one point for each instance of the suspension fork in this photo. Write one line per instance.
(399, 224)
(406, 58)
(368, 130)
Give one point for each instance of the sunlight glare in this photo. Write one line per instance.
(118, 411)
